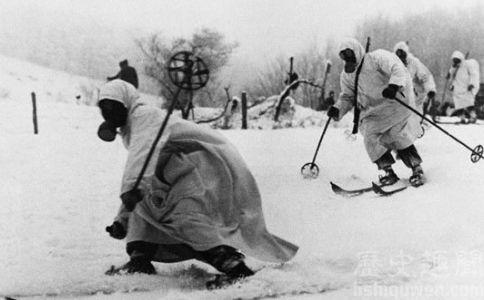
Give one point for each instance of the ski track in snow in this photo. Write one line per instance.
(59, 191)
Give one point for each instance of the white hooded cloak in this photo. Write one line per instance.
(384, 123)
(198, 190)
(465, 74)
(423, 80)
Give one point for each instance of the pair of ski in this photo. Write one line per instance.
(460, 123)
(456, 121)
(376, 188)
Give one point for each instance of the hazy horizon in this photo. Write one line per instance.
(264, 29)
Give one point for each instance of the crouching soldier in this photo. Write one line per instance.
(196, 200)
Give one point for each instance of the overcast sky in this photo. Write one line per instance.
(263, 28)
(260, 26)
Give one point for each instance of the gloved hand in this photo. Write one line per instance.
(116, 230)
(470, 87)
(431, 95)
(390, 91)
(333, 112)
(131, 198)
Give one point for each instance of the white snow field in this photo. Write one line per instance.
(59, 189)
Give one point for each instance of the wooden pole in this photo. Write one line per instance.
(34, 113)
(244, 110)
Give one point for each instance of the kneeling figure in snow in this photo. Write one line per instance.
(197, 198)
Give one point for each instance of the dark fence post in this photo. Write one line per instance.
(34, 113)
(244, 110)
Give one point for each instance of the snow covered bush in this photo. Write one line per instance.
(261, 116)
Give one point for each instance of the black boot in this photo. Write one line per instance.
(134, 265)
(417, 179)
(389, 178)
(228, 261)
(238, 272)
(141, 254)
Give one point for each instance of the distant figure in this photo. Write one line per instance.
(464, 84)
(327, 102)
(423, 81)
(229, 113)
(78, 99)
(127, 73)
(235, 106)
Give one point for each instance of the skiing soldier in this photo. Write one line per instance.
(423, 81)
(464, 84)
(197, 198)
(385, 124)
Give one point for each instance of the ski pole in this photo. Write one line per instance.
(427, 102)
(356, 111)
(155, 142)
(310, 169)
(446, 86)
(192, 74)
(476, 152)
(323, 86)
(291, 71)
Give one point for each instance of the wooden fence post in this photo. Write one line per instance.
(34, 113)
(244, 110)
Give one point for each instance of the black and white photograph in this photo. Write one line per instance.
(241, 149)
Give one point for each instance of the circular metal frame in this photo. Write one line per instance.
(310, 170)
(187, 71)
(477, 153)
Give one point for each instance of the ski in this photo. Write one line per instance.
(456, 121)
(459, 123)
(379, 191)
(376, 188)
(349, 193)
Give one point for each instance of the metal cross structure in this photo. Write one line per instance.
(187, 71)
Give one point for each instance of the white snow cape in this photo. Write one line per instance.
(198, 190)
(384, 123)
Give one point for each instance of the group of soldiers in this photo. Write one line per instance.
(375, 84)
(462, 81)
(198, 199)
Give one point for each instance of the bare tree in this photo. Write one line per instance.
(432, 36)
(205, 43)
(222, 113)
(309, 65)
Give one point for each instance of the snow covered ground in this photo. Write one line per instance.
(59, 190)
